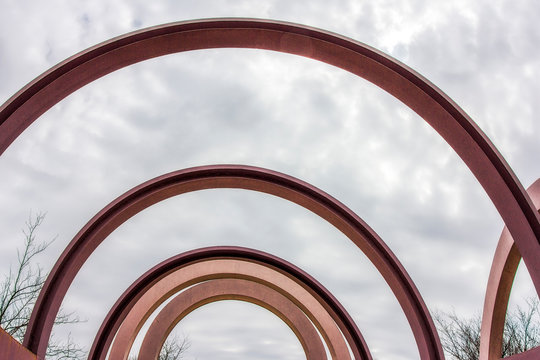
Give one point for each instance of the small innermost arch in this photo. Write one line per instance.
(231, 329)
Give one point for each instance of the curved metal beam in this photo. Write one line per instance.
(137, 303)
(230, 176)
(450, 121)
(231, 289)
(501, 276)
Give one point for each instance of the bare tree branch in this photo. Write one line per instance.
(173, 349)
(20, 288)
(460, 337)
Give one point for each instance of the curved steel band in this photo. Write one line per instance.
(231, 289)
(229, 176)
(501, 277)
(138, 302)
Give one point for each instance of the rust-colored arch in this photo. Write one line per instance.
(450, 121)
(127, 316)
(501, 277)
(230, 176)
(231, 289)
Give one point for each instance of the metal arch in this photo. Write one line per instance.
(452, 123)
(126, 318)
(501, 277)
(230, 176)
(231, 289)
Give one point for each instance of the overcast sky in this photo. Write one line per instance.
(282, 112)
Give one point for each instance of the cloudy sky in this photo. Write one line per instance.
(282, 112)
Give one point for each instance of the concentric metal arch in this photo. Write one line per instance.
(231, 289)
(229, 176)
(450, 121)
(413, 90)
(150, 290)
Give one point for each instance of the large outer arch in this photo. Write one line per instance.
(450, 121)
(229, 176)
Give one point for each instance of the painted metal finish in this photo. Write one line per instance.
(175, 274)
(231, 289)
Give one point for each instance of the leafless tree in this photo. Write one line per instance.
(522, 329)
(460, 337)
(173, 349)
(19, 291)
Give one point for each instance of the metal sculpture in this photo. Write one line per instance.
(491, 170)
(128, 315)
(403, 83)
